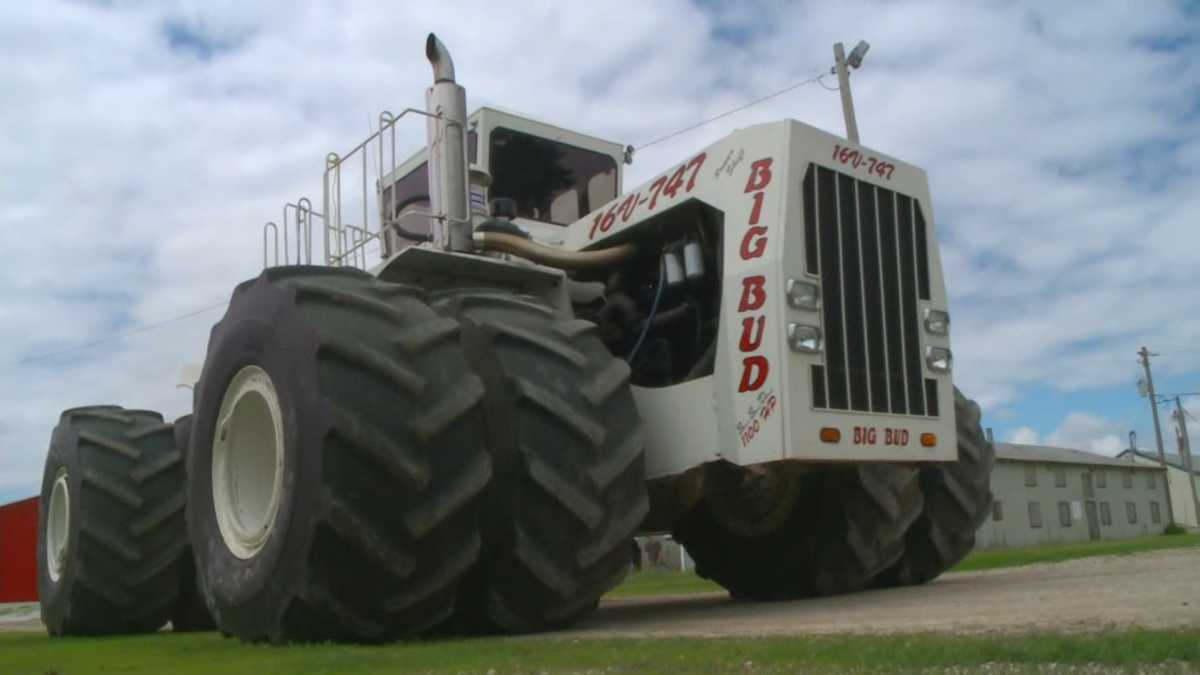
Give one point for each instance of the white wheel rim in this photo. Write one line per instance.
(58, 526)
(247, 462)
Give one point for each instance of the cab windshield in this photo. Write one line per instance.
(549, 181)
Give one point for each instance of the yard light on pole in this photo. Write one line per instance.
(842, 65)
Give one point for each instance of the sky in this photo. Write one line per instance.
(143, 145)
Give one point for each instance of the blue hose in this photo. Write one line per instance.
(662, 281)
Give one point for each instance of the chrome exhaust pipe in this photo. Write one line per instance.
(446, 102)
(439, 57)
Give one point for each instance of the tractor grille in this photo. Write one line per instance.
(868, 245)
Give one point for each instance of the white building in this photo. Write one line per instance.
(1184, 484)
(1048, 495)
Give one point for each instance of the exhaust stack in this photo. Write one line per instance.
(447, 140)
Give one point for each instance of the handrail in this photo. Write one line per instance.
(338, 248)
(273, 227)
(345, 242)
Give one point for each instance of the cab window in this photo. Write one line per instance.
(549, 181)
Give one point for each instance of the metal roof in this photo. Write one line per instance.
(1172, 459)
(1018, 452)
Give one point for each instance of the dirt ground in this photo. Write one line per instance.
(1150, 590)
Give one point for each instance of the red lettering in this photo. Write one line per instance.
(757, 210)
(753, 295)
(754, 242)
(760, 175)
(750, 338)
(754, 373)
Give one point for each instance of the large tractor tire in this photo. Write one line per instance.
(112, 535)
(832, 532)
(567, 446)
(337, 457)
(190, 612)
(958, 497)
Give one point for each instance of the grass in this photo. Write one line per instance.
(662, 582)
(187, 654)
(1015, 557)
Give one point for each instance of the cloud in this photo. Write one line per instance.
(1084, 431)
(145, 144)
(1024, 436)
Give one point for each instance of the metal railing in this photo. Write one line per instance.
(350, 218)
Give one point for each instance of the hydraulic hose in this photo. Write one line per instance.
(550, 256)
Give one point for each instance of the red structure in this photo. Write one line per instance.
(18, 551)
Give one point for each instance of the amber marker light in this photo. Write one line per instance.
(929, 440)
(831, 434)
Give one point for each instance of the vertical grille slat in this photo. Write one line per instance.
(811, 264)
(869, 246)
(892, 308)
(831, 289)
(818, 383)
(873, 297)
(922, 254)
(908, 297)
(931, 397)
(856, 355)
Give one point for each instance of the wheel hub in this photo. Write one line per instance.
(58, 526)
(247, 462)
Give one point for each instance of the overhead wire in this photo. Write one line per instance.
(727, 113)
(115, 336)
(151, 326)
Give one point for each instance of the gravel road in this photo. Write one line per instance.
(1150, 590)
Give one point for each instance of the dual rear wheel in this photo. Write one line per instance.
(847, 528)
(364, 463)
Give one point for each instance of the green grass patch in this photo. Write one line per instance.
(662, 582)
(1014, 557)
(187, 654)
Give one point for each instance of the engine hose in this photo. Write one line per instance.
(662, 282)
(550, 256)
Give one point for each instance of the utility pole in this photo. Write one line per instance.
(1145, 355)
(1185, 450)
(842, 65)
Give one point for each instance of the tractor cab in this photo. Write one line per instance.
(549, 176)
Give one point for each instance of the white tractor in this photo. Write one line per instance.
(750, 351)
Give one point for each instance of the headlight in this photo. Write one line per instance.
(937, 322)
(804, 338)
(803, 294)
(939, 359)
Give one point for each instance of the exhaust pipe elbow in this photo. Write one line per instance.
(439, 58)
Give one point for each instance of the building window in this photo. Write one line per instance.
(1060, 477)
(1127, 479)
(1105, 514)
(1150, 479)
(1131, 511)
(1030, 475)
(997, 511)
(1155, 515)
(1101, 479)
(1035, 515)
(1064, 514)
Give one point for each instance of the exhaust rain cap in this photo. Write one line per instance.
(439, 58)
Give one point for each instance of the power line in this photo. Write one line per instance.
(116, 336)
(727, 113)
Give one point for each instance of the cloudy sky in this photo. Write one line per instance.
(143, 145)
